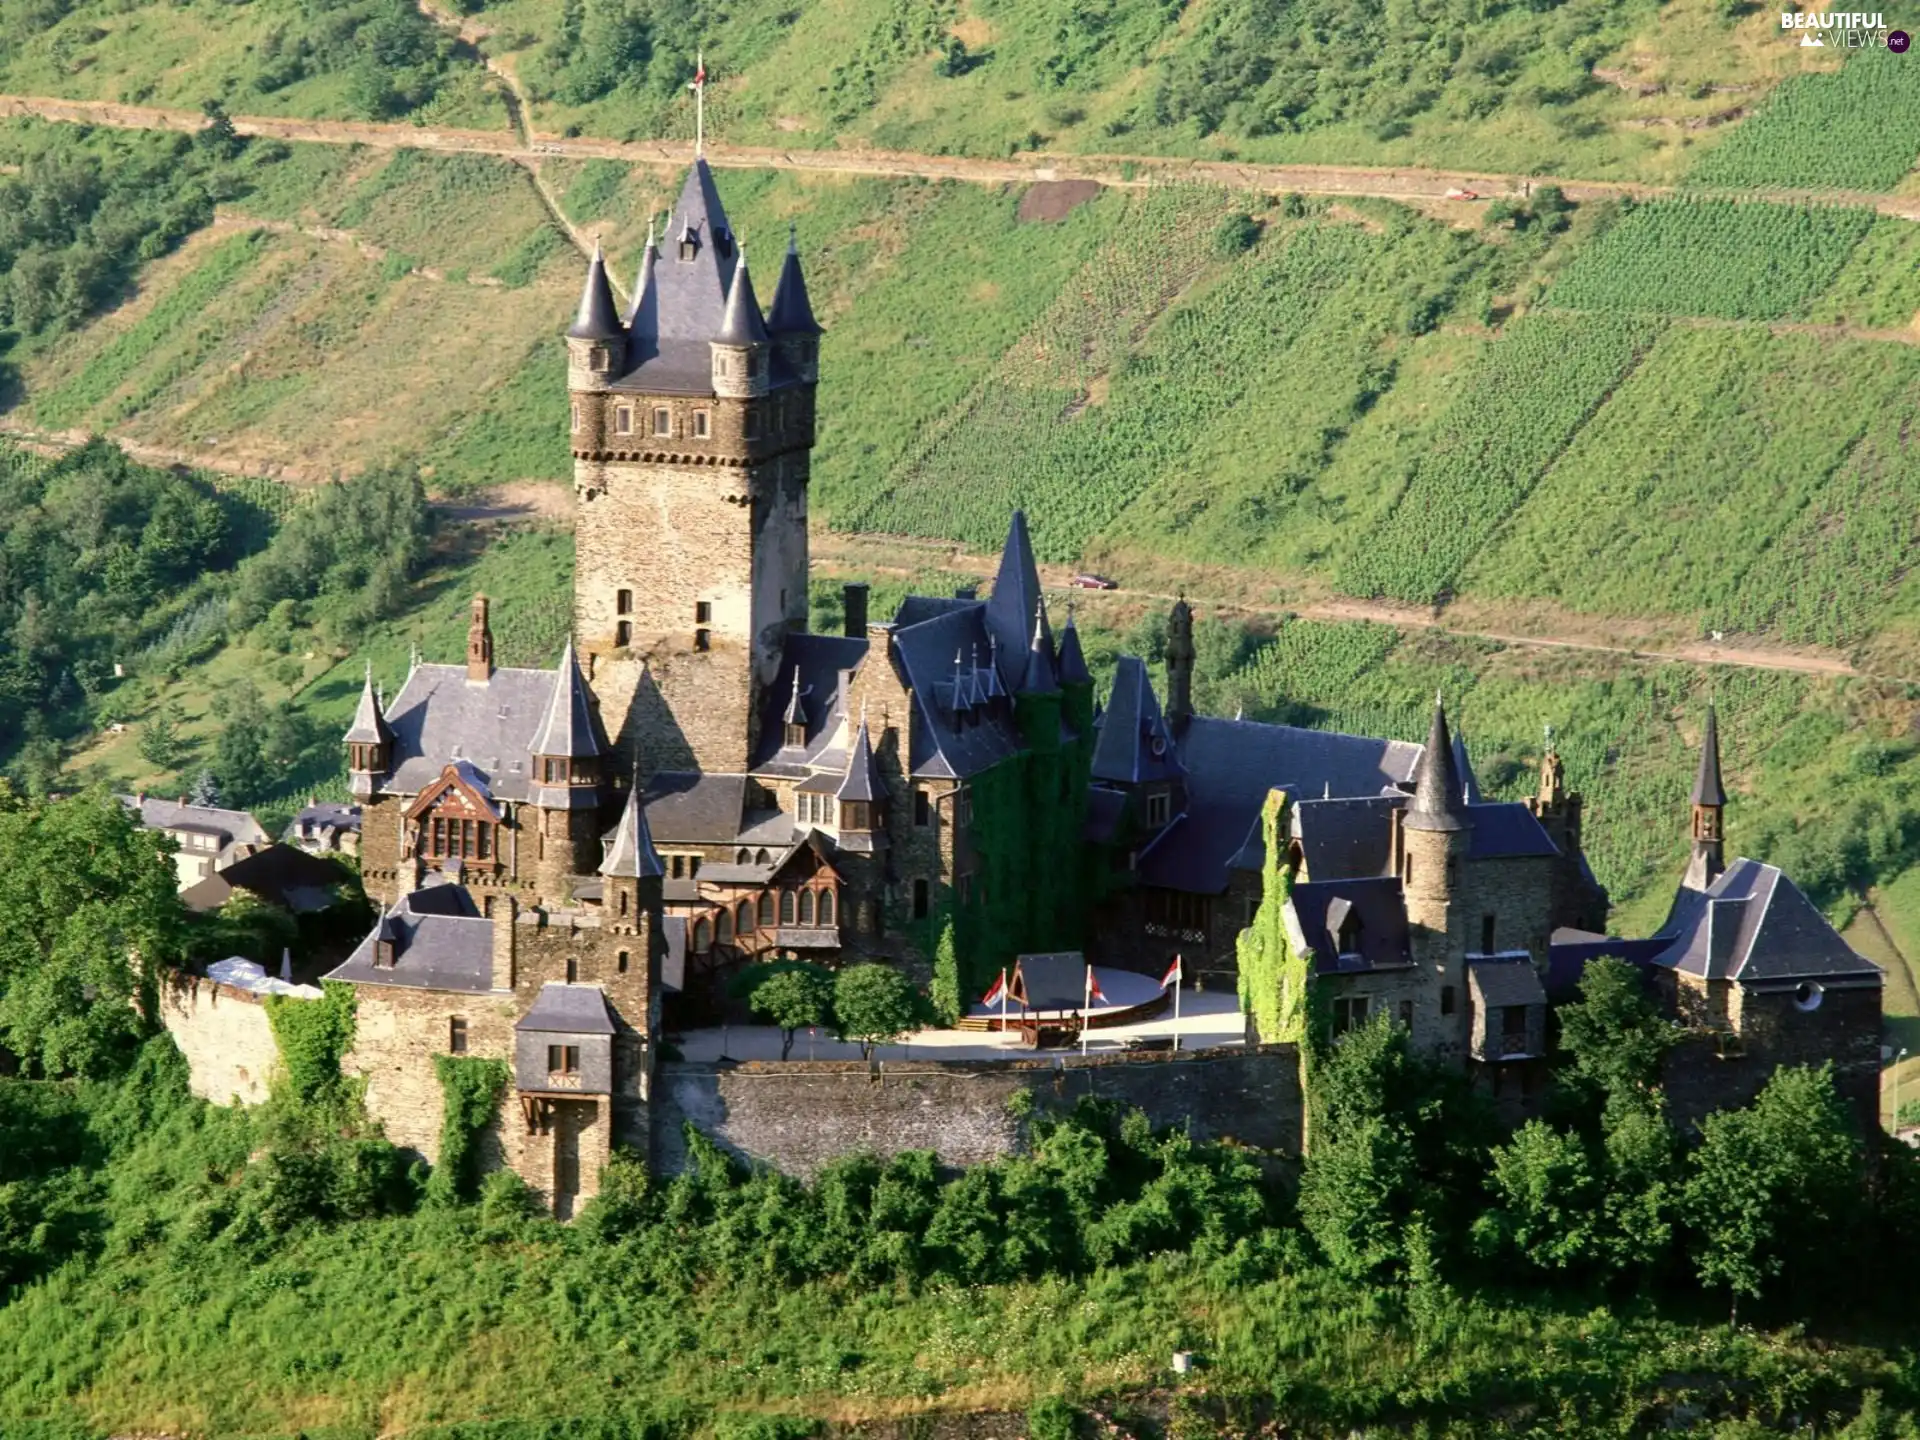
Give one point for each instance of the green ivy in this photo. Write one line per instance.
(472, 1088)
(1273, 979)
(313, 1036)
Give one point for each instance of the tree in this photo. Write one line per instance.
(218, 135)
(1773, 1187)
(794, 998)
(206, 790)
(1615, 1034)
(240, 754)
(88, 914)
(1273, 980)
(1360, 1186)
(1547, 1197)
(874, 1004)
(948, 1003)
(160, 742)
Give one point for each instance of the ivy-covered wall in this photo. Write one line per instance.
(472, 1088)
(1273, 979)
(313, 1036)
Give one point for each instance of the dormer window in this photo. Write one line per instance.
(796, 734)
(1157, 808)
(383, 954)
(1350, 935)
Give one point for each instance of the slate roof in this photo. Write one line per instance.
(286, 876)
(568, 726)
(1135, 743)
(861, 782)
(1073, 662)
(1505, 830)
(942, 742)
(643, 314)
(325, 815)
(562, 1009)
(438, 717)
(237, 826)
(1379, 907)
(742, 324)
(816, 663)
(1753, 925)
(630, 853)
(1463, 767)
(1437, 793)
(369, 725)
(1014, 602)
(1347, 838)
(1056, 981)
(441, 942)
(1039, 677)
(1707, 789)
(684, 808)
(673, 965)
(792, 312)
(1506, 982)
(597, 318)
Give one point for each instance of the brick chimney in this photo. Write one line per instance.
(505, 912)
(479, 644)
(854, 602)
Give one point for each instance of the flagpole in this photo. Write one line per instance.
(1179, 976)
(1003, 1004)
(1086, 1004)
(700, 104)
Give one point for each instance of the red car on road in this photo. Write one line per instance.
(1093, 582)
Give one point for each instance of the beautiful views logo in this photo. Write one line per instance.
(1855, 30)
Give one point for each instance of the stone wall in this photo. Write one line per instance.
(798, 1115)
(225, 1036)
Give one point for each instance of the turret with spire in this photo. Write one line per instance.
(596, 341)
(1076, 681)
(741, 346)
(568, 752)
(791, 320)
(369, 742)
(1708, 859)
(1432, 841)
(1180, 655)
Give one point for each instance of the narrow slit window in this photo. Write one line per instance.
(700, 424)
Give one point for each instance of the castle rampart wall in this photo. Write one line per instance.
(224, 1035)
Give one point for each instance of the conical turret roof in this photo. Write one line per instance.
(1040, 677)
(743, 324)
(630, 853)
(1073, 664)
(696, 261)
(1707, 789)
(643, 316)
(792, 310)
(1437, 803)
(598, 318)
(567, 728)
(369, 724)
(861, 782)
(1016, 591)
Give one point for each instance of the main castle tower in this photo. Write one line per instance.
(692, 429)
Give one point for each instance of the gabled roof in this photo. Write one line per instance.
(792, 309)
(1437, 802)
(1056, 981)
(439, 717)
(440, 940)
(1135, 744)
(1753, 925)
(691, 809)
(597, 318)
(630, 851)
(742, 324)
(1707, 789)
(1014, 602)
(1377, 912)
(567, 728)
(562, 1009)
(369, 725)
(237, 826)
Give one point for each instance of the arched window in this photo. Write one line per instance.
(806, 907)
(826, 907)
(745, 857)
(786, 907)
(702, 934)
(763, 858)
(723, 927)
(766, 907)
(623, 901)
(743, 917)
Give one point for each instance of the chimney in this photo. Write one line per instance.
(479, 644)
(853, 599)
(505, 912)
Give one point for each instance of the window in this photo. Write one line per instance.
(1178, 910)
(796, 733)
(383, 954)
(1350, 935)
(826, 907)
(745, 857)
(1157, 806)
(573, 970)
(693, 867)
(598, 358)
(453, 839)
(752, 425)
(1486, 934)
(766, 908)
(679, 864)
(700, 424)
(553, 771)
(702, 934)
(623, 420)
(703, 640)
(806, 907)
(853, 815)
(922, 808)
(703, 612)
(662, 420)
(623, 901)
(762, 858)
(805, 805)
(623, 602)
(623, 634)
(786, 907)
(920, 899)
(721, 365)
(1406, 866)
(743, 917)
(1350, 1012)
(1406, 1015)
(563, 1059)
(456, 1035)
(576, 417)
(1513, 1029)
(723, 927)
(620, 961)
(1446, 999)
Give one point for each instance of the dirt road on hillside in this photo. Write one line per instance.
(1130, 171)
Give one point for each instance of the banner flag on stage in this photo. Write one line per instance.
(992, 997)
(1175, 974)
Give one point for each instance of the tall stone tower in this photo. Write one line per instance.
(1436, 833)
(692, 429)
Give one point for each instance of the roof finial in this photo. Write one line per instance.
(793, 238)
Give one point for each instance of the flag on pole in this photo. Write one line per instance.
(699, 73)
(992, 997)
(1093, 989)
(1175, 974)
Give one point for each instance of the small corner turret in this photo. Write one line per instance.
(596, 341)
(1709, 800)
(1180, 655)
(369, 742)
(795, 331)
(741, 367)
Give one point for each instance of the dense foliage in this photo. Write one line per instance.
(470, 1089)
(1857, 128)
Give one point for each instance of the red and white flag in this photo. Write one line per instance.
(699, 74)
(1176, 972)
(992, 997)
(1093, 990)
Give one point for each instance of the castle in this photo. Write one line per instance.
(701, 782)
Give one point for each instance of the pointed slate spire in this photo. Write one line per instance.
(643, 316)
(630, 854)
(795, 713)
(1073, 664)
(567, 728)
(1436, 803)
(1707, 789)
(742, 324)
(962, 685)
(861, 783)
(792, 312)
(369, 724)
(598, 319)
(1040, 678)
(1463, 767)
(1016, 591)
(990, 686)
